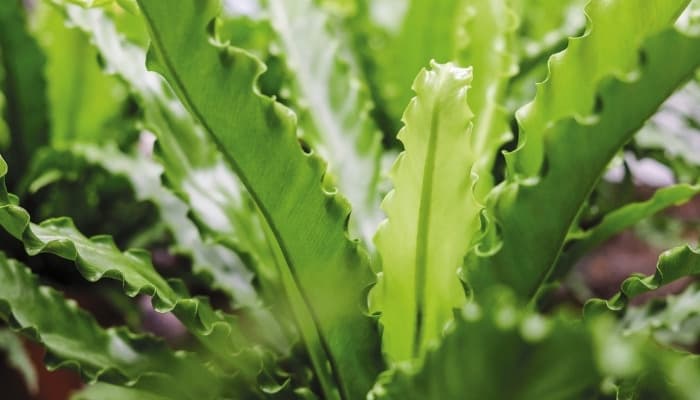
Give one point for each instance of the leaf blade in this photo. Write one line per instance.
(334, 118)
(266, 132)
(74, 338)
(24, 86)
(98, 257)
(416, 304)
(582, 148)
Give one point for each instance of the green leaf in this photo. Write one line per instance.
(673, 320)
(92, 3)
(98, 257)
(486, 44)
(85, 103)
(193, 167)
(257, 136)
(544, 29)
(58, 183)
(4, 129)
(637, 367)
(74, 339)
(16, 356)
(621, 219)
(545, 23)
(580, 148)
(225, 268)
(105, 391)
(24, 87)
(499, 351)
(417, 31)
(432, 215)
(609, 47)
(673, 264)
(333, 106)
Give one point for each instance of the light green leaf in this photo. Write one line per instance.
(257, 136)
(333, 106)
(621, 219)
(486, 44)
(85, 103)
(74, 339)
(580, 148)
(24, 87)
(432, 214)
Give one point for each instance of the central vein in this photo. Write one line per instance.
(422, 233)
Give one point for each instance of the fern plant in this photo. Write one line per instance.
(353, 262)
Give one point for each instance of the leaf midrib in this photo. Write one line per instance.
(423, 229)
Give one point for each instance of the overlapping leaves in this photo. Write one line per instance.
(578, 147)
(98, 257)
(73, 338)
(309, 225)
(333, 106)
